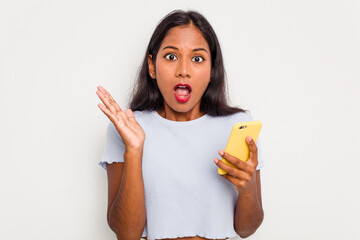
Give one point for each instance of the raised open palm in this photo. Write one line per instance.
(129, 129)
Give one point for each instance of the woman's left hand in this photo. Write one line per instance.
(244, 175)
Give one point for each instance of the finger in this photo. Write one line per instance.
(106, 93)
(129, 113)
(111, 99)
(231, 170)
(114, 103)
(233, 160)
(113, 118)
(238, 183)
(235, 181)
(253, 150)
(101, 89)
(104, 90)
(231, 179)
(123, 116)
(105, 100)
(117, 119)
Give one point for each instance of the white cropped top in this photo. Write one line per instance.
(184, 194)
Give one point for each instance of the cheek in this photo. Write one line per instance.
(205, 79)
(163, 75)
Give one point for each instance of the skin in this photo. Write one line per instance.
(126, 200)
(183, 57)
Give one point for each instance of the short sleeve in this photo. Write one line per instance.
(260, 160)
(114, 147)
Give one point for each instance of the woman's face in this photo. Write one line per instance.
(182, 68)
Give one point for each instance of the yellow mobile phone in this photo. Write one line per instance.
(237, 145)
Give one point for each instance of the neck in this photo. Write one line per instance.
(170, 114)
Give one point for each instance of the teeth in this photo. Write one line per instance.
(183, 87)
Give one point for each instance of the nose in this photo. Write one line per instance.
(183, 69)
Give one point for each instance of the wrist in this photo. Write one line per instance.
(249, 188)
(132, 162)
(133, 153)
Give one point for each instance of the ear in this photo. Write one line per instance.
(151, 67)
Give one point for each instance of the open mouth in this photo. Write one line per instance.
(182, 92)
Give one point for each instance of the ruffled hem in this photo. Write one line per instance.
(260, 165)
(103, 164)
(189, 235)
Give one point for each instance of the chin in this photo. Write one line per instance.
(182, 107)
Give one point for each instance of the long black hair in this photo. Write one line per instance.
(146, 94)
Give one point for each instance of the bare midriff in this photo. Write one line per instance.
(186, 238)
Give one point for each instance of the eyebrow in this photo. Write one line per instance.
(194, 50)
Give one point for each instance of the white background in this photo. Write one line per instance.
(293, 64)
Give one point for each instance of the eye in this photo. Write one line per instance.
(198, 59)
(170, 57)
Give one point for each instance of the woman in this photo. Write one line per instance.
(166, 185)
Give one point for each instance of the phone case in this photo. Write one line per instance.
(237, 145)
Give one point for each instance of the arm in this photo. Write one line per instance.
(126, 200)
(249, 213)
(246, 179)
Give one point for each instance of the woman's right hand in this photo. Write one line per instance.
(129, 129)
